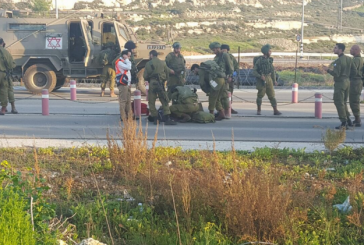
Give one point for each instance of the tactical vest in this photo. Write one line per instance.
(177, 63)
(265, 66)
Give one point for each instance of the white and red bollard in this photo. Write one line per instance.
(228, 111)
(318, 105)
(73, 90)
(137, 104)
(45, 102)
(146, 90)
(295, 93)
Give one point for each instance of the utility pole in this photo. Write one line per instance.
(302, 26)
(341, 15)
(56, 5)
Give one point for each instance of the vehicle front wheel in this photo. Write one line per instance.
(38, 77)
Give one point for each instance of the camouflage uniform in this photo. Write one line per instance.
(156, 72)
(264, 67)
(7, 64)
(186, 106)
(108, 71)
(214, 94)
(236, 69)
(356, 85)
(340, 70)
(178, 65)
(225, 62)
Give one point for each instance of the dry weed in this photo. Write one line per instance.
(333, 138)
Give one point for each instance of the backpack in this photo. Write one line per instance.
(203, 117)
(213, 69)
(105, 57)
(256, 59)
(186, 95)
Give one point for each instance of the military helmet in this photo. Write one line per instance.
(214, 45)
(225, 46)
(265, 49)
(177, 45)
(130, 45)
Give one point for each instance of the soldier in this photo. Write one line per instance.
(223, 60)
(226, 48)
(176, 62)
(156, 72)
(184, 103)
(266, 79)
(106, 57)
(213, 86)
(7, 64)
(356, 84)
(340, 70)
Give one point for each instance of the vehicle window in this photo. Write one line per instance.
(108, 33)
(27, 27)
(123, 33)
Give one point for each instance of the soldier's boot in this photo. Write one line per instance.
(233, 111)
(212, 112)
(102, 93)
(343, 125)
(276, 112)
(349, 122)
(185, 118)
(221, 116)
(156, 120)
(3, 111)
(259, 110)
(112, 94)
(13, 109)
(357, 122)
(168, 121)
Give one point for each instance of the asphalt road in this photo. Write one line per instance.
(90, 118)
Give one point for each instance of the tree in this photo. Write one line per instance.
(41, 5)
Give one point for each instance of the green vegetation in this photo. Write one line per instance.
(187, 197)
(41, 5)
(306, 78)
(360, 9)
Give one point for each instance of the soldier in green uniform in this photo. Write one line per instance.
(106, 58)
(356, 84)
(213, 86)
(226, 48)
(226, 64)
(7, 64)
(340, 70)
(266, 79)
(184, 103)
(176, 62)
(156, 72)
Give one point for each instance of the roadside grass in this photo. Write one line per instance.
(188, 197)
(306, 78)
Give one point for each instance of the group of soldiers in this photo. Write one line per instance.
(348, 78)
(215, 79)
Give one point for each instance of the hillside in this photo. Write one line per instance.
(244, 23)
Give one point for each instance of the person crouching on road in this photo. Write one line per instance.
(123, 80)
(356, 84)
(212, 87)
(266, 79)
(340, 70)
(184, 103)
(7, 64)
(156, 72)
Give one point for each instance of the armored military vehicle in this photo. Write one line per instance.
(48, 52)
